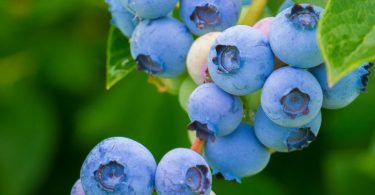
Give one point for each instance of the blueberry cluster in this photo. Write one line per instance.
(122, 166)
(251, 91)
(279, 59)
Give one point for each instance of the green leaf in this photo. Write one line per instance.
(119, 61)
(347, 36)
(320, 3)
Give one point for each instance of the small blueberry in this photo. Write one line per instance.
(160, 46)
(285, 139)
(237, 155)
(344, 91)
(213, 111)
(203, 16)
(183, 171)
(293, 36)
(240, 60)
(291, 97)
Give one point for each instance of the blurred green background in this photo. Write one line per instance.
(54, 108)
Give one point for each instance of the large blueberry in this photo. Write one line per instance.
(291, 97)
(240, 60)
(203, 16)
(121, 18)
(344, 91)
(160, 46)
(149, 9)
(118, 166)
(183, 171)
(213, 111)
(293, 36)
(237, 155)
(285, 139)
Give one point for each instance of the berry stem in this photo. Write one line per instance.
(197, 146)
(158, 83)
(254, 12)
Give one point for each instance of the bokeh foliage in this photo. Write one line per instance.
(54, 108)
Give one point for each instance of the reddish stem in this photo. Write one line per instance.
(197, 146)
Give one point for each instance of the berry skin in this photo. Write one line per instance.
(203, 16)
(160, 46)
(264, 25)
(77, 188)
(183, 171)
(291, 97)
(198, 55)
(187, 87)
(293, 36)
(118, 166)
(284, 139)
(121, 18)
(149, 9)
(237, 155)
(346, 90)
(240, 60)
(213, 111)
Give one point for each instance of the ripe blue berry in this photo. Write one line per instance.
(291, 97)
(213, 111)
(237, 155)
(240, 60)
(285, 139)
(198, 55)
(160, 46)
(121, 18)
(77, 188)
(118, 166)
(183, 171)
(346, 90)
(149, 9)
(293, 36)
(203, 16)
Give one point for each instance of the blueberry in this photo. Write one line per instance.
(213, 111)
(118, 166)
(346, 90)
(77, 188)
(237, 155)
(264, 25)
(197, 57)
(293, 36)
(203, 16)
(286, 4)
(285, 139)
(160, 46)
(240, 60)
(183, 171)
(149, 9)
(291, 97)
(187, 87)
(121, 18)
